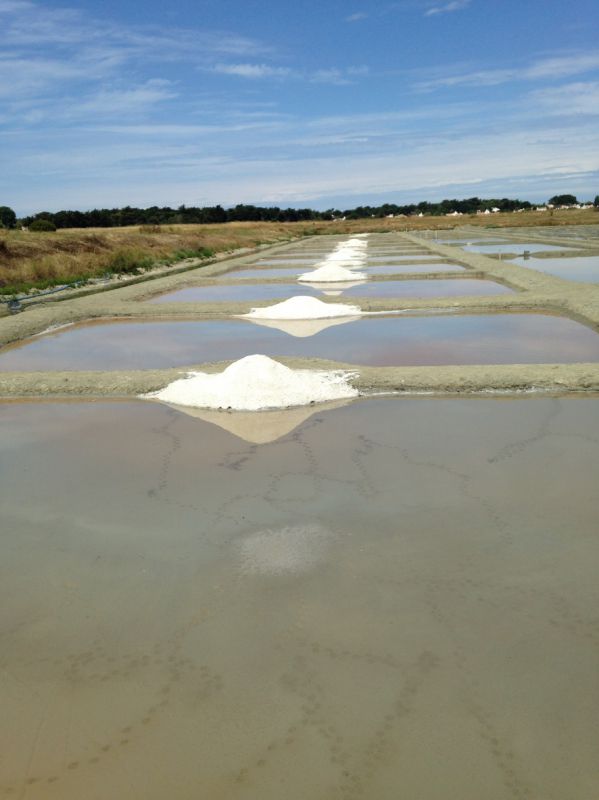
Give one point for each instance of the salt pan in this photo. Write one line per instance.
(257, 382)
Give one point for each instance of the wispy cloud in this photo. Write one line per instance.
(252, 70)
(573, 99)
(333, 75)
(359, 15)
(42, 45)
(454, 5)
(542, 69)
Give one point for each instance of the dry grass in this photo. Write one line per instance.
(43, 259)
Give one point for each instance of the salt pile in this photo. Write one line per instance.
(331, 273)
(303, 307)
(338, 265)
(257, 382)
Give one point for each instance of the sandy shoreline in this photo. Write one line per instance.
(535, 292)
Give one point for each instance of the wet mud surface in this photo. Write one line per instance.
(395, 598)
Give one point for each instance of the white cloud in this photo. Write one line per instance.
(454, 5)
(332, 75)
(119, 102)
(360, 15)
(252, 70)
(573, 99)
(542, 69)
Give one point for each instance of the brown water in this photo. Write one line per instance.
(398, 599)
(378, 340)
(408, 288)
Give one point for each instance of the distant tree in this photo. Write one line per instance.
(596, 201)
(41, 225)
(563, 200)
(8, 218)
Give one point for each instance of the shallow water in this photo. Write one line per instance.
(266, 273)
(398, 599)
(378, 340)
(407, 288)
(405, 257)
(236, 292)
(392, 267)
(513, 247)
(287, 259)
(581, 268)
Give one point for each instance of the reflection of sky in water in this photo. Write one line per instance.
(443, 339)
(236, 292)
(280, 272)
(575, 269)
(461, 242)
(408, 288)
(274, 262)
(407, 257)
(513, 247)
(399, 268)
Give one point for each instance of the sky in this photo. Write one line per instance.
(320, 103)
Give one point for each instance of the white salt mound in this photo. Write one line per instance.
(257, 382)
(303, 307)
(332, 273)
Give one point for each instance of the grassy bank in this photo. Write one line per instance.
(46, 259)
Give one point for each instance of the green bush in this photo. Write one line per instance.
(42, 226)
(129, 261)
(202, 252)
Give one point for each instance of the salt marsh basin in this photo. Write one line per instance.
(404, 288)
(397, 340)
(366, 603)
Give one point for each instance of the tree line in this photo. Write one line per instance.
(155, 215)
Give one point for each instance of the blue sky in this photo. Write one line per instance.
(320, 103)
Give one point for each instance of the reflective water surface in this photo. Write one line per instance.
(581, 268)
(393, 267)
(265, 272)
(513, 247)
(396, 340)
(395, 600)
(407, 288)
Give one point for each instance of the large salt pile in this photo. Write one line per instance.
(303, 307)
(331, 273)
(257, 382)
(338, 265)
